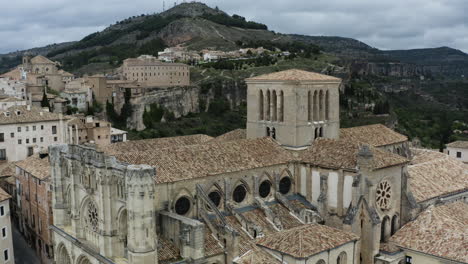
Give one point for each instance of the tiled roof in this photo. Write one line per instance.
(341, 154)
(231, 135)
(294, 75)
(425, 155)
(65, 73)
(35, 114)
(10, 99)
(306, 240)
(41, 59)
(39, 168)
(4, 195)
(194, 161)
(167, 251)
(439, 231)
(257, 256)
(436, 177)
(374, 135)
(458, 144)
(154, 144)
(212, 246)
(13, 74)
(7, 169)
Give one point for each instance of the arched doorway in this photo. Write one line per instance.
(123, 218)
(62, 255)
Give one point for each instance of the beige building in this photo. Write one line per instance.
(289, 189)
(152, 72)
(25, 130)
(85, 129)
(6, 237)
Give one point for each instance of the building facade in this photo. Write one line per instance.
(235, 199)
(6, 237)
(34, 204)
(152, 72)
(26, 130)
(458, 150)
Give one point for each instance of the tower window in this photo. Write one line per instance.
(215, 197)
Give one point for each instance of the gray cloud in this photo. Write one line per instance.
(385, 24)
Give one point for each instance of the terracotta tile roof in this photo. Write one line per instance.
(436, 177)
(35, 114)
(341, 154)
(4, 195)
(194, 161)
(306, 240)
(294, 75)
(257, 256)
(154, 143)
(375, 135)
(212, 245)
(232, 135)
(65, 73)
(425, 155)
(39, 168)
(167, 251)
(458, 144)
(440, 231)
(7, 169)
(41, 60)
(10, 99)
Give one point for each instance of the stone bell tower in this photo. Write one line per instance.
(294, 107)
(142, 238)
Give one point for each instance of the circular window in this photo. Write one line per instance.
(92, 219)
(239, 194)
(182, 206)
(285, 185)
(383, 195)
(264, 188)
(215, 197)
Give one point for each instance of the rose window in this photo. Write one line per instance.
(383, 195)
(92, 219)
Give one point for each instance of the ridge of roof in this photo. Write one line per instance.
(294, 75)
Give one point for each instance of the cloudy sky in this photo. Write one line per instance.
(384, 24)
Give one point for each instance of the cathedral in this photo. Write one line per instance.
(291, 188)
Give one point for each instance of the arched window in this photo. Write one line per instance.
(239, 194)
(182, 205)
(321, 105)
(268, 106)
(342, 258)
(123, 230)
(268, 131)
(321, 261)
(309, 106)
(285, 185)
(327, 105)
(395, 224)
(264, 189)
(281, 117)
(321, 132)
(315, 107)
(273, 133)
(275, 107)
(260, 106)
(62, 255)
(316, 133)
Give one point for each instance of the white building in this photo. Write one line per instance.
(118, 135)
(458, 150)
(14, 88)
(78, 94)
(25, 130)
(7, 102)
(6, 239)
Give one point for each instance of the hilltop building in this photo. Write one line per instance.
(13, 88)
(288, 189)
(6, 237)
(152, 72)
(458, 150)
(87, 129)
(7, 102)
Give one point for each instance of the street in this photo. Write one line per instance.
(23, 253)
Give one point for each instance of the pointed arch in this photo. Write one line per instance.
(274, 106)
(342, 258)
(385, 229)
(83, 260)
(327, 105)
(309, 106)
(268, 106)
(315, 106)
(62, 255)
(281, 112)
(260, 106)
(395, 224)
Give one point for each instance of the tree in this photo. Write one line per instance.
(45, 101)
